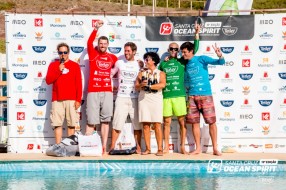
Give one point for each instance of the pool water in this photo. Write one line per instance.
(140, 179)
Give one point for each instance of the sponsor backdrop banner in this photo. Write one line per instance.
(249, 90)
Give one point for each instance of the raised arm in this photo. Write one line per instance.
(90, 48)
(211, 61)
(197, 37)
(217, 51)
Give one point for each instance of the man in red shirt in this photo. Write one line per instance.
(99, 107)
(65, 76)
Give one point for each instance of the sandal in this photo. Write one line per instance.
(159, 153)
(146, 152)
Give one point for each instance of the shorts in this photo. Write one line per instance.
(201, 104)
(99, 107)
(174, 106)
(123, 107)
(61, 110)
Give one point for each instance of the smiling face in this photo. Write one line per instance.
(173, 49)
(187, 54)
(102, 45)
(149, 63)
(128, 53)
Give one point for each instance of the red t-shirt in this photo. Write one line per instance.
(100, 65)
(67, 85)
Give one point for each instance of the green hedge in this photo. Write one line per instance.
(6, 5)
(2, 46)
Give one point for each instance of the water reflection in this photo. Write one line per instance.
(138, 179)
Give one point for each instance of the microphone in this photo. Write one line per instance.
(62, 61)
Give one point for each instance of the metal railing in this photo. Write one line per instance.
(154, 13)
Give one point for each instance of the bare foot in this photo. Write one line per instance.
(166, 151)
(217, 153)
(138, 151)
(104, 151)
(195, 152)
(183, 151)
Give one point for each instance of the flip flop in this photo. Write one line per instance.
(159, 153)
(146, 152)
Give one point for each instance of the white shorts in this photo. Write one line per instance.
(123, 107)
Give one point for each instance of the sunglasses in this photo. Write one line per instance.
(62, 52)
(146, 60)
(175, 49)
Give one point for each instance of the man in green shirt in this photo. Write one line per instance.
(174, 94)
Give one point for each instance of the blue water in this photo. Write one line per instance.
(140, 179)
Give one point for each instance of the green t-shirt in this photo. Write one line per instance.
(174, 70)
(175, 75)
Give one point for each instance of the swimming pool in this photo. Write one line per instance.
(150, 174)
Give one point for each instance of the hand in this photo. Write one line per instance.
(62, 67)
(166, 58)
(98, 24)
(197, 27)
(143, 84)
(217, 50)
(76, 105)
(140, 63)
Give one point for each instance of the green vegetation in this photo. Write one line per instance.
(196, 5)
(2, 46)
(6, 5)
(268, 4)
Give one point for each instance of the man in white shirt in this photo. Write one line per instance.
(127, 97)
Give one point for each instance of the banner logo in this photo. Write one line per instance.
(284, 21)
(229, 31)
(21, 129)
(38, 22)
(20, 115)
(265, 116)
(246, 76)
(265, 49)
(227, 50)
(40, 102)
(246, 63)
(39, 49)
(166, 28)
(23, 22)
(265, 103)
(20, 76)
(282, 75)
(226, 103)
(77, 49)
(152, 50)
(114, 50)
(211, 76)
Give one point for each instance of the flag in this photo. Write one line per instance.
(223, 5)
